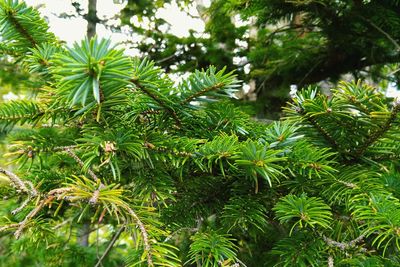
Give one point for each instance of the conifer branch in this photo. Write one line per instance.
(343, 245)
(23, 205)
(321, 130)
(19, 183)
(386, 157)
(93, 200)
(159, 101)
(324, 133)
(64, 148)
(32, 214)
(6, 227)
(59, 191)
(331, 262)
(9, 50)
(145, 236)
(50, 197)
(20, 28)
(166, 150)
(149, 112)
(202, 92)
(387, 35)
(80, 163)
(348, 184)
(378, 133)
(18, 117)
(20, 111)
(358, 104)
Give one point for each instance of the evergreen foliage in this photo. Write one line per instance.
(168, 174)
(279, 42)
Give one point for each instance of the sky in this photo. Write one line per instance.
(74, 29)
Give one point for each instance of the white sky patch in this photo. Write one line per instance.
(392, 91)
(74, 29)
(180, 22)
(11, 96)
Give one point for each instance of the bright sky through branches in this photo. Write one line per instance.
(74, 29)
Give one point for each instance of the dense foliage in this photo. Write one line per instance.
(163, 174)
(280, 42)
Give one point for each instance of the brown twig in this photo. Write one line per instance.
(158, 100)
(51, 196)
(167, 150)
(23, 205)
(19, 183)
(387, 35)
(96, 193)
(374, 136)
(328, 137)
(343, 245)
(6, 227)
(145, 236)
(20, 28)
(30, 215)
(202, 92)
(80, 162)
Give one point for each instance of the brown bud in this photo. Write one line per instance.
(149, 145)
(109, 146)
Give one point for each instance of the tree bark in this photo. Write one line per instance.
(92, 19)
(83, 234)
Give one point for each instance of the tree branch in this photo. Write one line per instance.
(379, 29)
(343, 245)
(51, 196)
(110, 245)
(19, 184)
(21, 29)
(145, 235)
(374, 136)
(159, 101)
(80, 162)
(202, 92)
(30, 215)
(321, 130)
(6, 227)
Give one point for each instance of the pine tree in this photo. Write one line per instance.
(175, 175)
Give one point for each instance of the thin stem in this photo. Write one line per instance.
(159, 101)
(202, 92)
(374, 136)
(6, 227)
(324, 133)
(21, 29)
(379, 29)
(23, 205)
(343, 245)
(110, 245)
(81, 163)
(145, 236)
(51, 196)
(167, 150)
(32, 214)
(19, 184)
